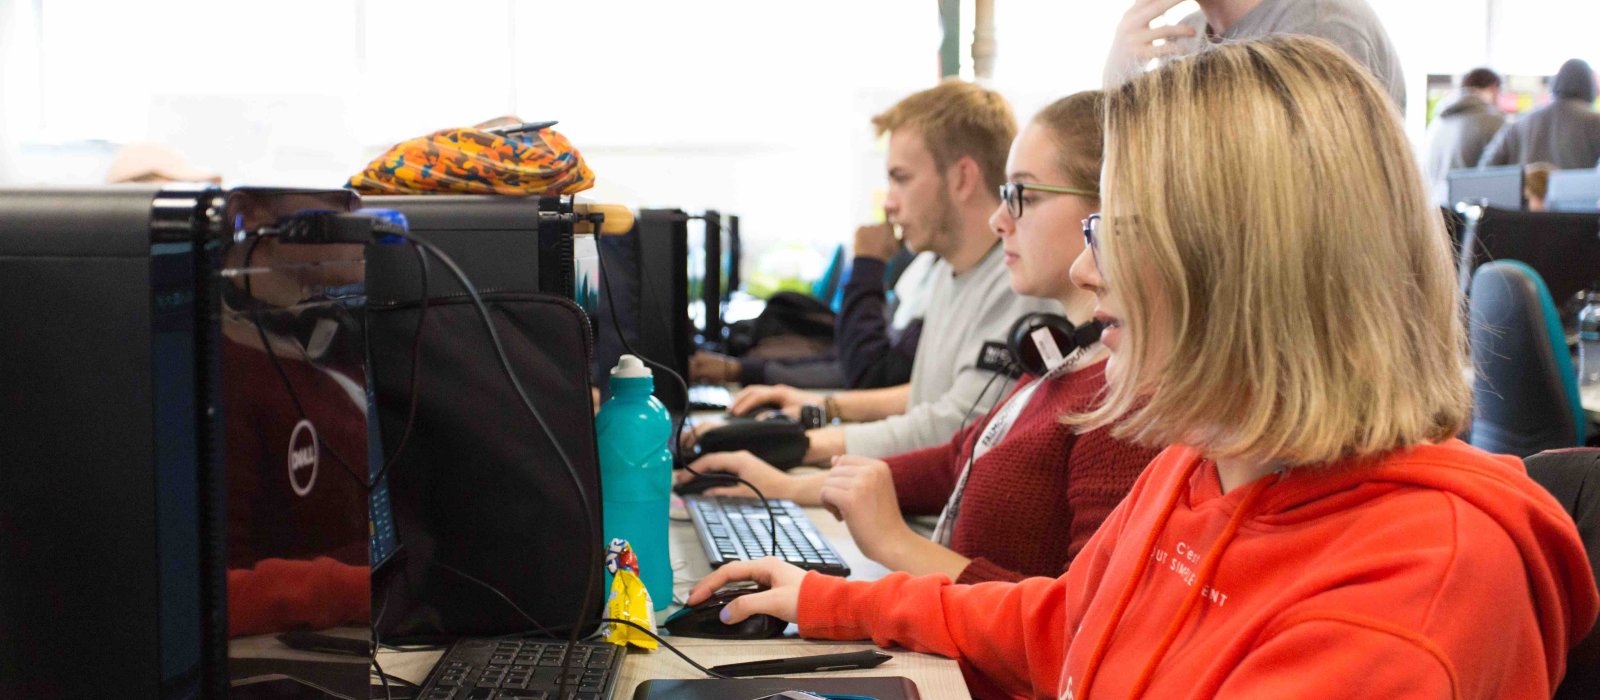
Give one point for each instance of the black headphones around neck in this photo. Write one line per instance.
(1038, 341)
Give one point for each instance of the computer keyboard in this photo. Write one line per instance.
(709, 397)
(521, 669)
(739, 529)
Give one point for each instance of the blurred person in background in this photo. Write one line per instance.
(1564, 133)
(1467, 121)
(155, 163)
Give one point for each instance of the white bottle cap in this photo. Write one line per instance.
(629, 367)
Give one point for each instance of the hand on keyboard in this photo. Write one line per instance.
(782, 396)
(860, 491)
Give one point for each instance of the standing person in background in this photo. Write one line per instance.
(1564, 133)
(1349, 24)
(1018, 494)
(1467, 121)
(1315, 529)
(947, 160)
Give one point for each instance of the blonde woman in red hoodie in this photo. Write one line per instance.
(1283, 313)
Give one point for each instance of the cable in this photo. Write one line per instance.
(972, 444)
(527, 403)
(579, 625)
(541, 628)
(277, 364)
(673, 439)
(416, 367)
(387, 693)
(668, 645)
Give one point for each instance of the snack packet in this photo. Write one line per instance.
(629, 600)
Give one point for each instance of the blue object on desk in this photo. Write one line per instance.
(636, 474)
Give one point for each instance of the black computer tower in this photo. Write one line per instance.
(503, 243)
(111, 571)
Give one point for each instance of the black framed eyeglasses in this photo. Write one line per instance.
(1011, 194)
(1091, 238)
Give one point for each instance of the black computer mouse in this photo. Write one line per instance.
(700, 482)
(702, 620)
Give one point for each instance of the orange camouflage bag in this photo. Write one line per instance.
(475, 161)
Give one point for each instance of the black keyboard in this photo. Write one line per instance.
(739, 529)
(709, 397)
(503, 669)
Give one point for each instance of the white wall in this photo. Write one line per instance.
(756, 108)
(753, 107)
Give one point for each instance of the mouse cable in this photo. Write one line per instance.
(668, 645)
(416, 366)
(674, 444)
(592, 529)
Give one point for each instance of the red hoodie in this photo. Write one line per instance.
(1436, 572)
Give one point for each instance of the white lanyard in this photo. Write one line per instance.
(995, 431)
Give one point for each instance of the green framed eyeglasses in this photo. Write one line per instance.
(1011, 194)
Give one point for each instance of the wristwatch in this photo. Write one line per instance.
(811, 416)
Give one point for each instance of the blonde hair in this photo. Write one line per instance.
(1261, 201)
(1077, 125)
(958, 119)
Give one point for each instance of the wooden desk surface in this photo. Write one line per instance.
(937, 678)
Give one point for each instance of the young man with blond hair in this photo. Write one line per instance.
(947, 154)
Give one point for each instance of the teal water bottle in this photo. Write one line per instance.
(636, 474)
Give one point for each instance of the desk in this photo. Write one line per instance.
(937, 678)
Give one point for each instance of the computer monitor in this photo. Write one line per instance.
(733, 252)
(1563, 247)
(1496, 187)
(705, 271)
(666, 333)
(111, 542)
(1574, 190)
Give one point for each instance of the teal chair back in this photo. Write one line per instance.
(1525, 395)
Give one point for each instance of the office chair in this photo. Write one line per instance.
(1563, 247)
(828, 289)
(1573, 477)
(1525, 395)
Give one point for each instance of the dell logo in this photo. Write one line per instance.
(303, 450)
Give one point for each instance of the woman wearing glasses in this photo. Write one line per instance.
(1019, 494)
(1282, 310)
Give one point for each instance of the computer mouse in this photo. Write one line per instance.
(700, 482)
(703, 621)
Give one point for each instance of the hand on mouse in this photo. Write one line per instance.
(781, 600)
(785, 397)
(772, 482)
(860, 491)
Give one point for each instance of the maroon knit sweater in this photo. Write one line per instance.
(1033, 500)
